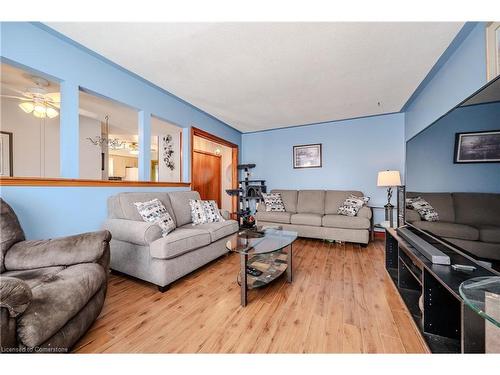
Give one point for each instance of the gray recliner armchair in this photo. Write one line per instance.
(51, 291)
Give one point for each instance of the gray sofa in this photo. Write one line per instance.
(50, 291)
(468, 220)
(313, 214)
(139, 250)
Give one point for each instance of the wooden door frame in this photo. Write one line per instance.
(234, 162)
(219, 193)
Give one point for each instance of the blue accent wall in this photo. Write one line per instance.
(354, 151)
(48, 212)
(430, 155)
(462, 72)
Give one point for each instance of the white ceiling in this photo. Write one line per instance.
(257, 76)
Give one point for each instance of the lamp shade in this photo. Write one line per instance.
(388, 178)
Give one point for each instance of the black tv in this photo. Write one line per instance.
(454, 165)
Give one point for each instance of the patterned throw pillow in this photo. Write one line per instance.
(273, 202)
(352, 205)
(154, 211)
(204, 212)
(424, 209)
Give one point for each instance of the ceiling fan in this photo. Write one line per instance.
(37, 100)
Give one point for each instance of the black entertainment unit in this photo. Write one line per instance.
(446, 323)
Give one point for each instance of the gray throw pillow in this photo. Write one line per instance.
(203, 212)
(352, 205)
(154, 211)
(273, 202)
(424, 209)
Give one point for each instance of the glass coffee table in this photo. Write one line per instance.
(482, 294)
(265, 254)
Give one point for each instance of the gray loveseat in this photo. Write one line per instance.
(139, 250)
(50, 291)
(468, 220)
(313, 214)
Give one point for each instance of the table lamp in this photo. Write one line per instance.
(389, 179)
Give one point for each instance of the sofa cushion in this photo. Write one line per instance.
(335, 198)
(289, 198)
(441, 202)
(178, 242)
(154, 211)
(311, 202)
(306, 219)
(352, 205)
(489, 233)
(274, 217)
(445, 229)
(273, 202)
(57, 299)
(34, 276)
(345, 222)
(128, 208)
(181, 207)
(477, 208)
(217, 230)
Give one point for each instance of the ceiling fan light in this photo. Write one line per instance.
(27, 106)
(51, 112)
(40, 108)
(39, 114)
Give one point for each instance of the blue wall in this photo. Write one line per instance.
(56, 211)
(42, 50)
(462, 72)
(429, 156)
(354, 151)
(47, 212)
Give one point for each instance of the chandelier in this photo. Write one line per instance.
(114, 143)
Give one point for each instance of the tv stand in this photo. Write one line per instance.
(445, 322)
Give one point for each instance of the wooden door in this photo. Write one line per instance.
(207, 175)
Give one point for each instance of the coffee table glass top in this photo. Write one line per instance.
(482, 294)
(260, 240)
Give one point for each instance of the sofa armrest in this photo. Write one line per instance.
(65, 251)
(365, 211)
(225, 214)
(15, 295)
(138, 232)
(412, 215)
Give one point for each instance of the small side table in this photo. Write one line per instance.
(372, 225)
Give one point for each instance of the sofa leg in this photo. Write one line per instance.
(364, 244)
(163, 289)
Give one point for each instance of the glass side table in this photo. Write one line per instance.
(482, 295)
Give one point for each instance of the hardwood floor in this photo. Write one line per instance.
(341, 301)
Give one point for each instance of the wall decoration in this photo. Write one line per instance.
(6, 161)
(167, 152)
(477, 147)
(307, 156)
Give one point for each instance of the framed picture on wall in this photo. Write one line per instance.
(307, 156)
(477, 147)
(6, 162)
